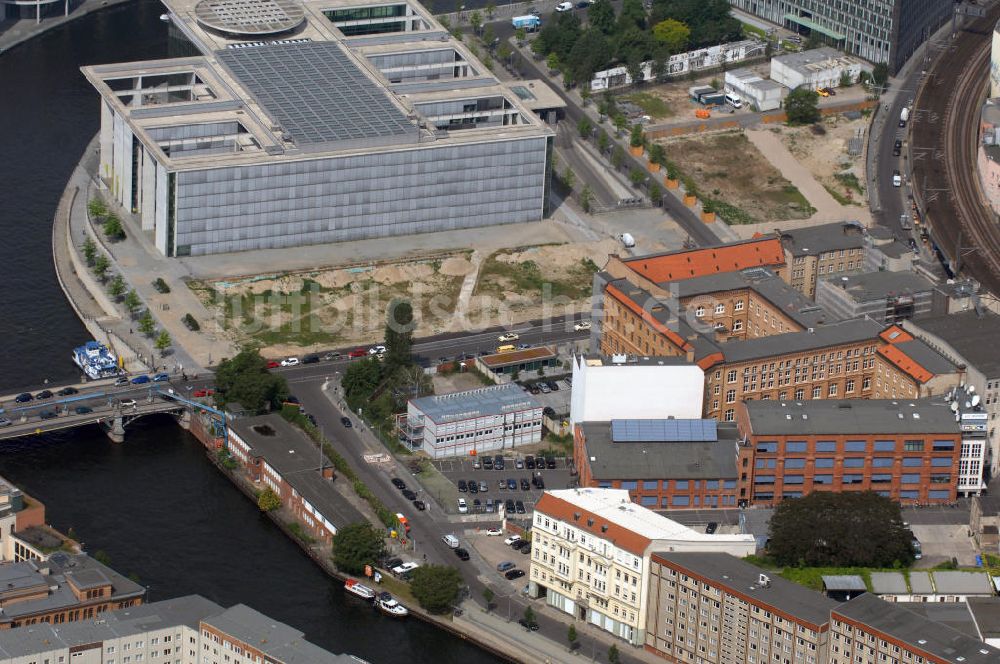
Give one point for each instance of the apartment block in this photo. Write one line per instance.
(712, 608)
(867, 630)
(280, 457)
(674, 463)
(184, 630)
(590, 556)
(817, 252)
(909, 451)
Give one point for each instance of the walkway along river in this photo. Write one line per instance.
(155, 504)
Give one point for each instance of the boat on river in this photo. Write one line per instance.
(390, 606)
(96, 360)
(362, 591)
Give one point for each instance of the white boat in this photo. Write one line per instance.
(95, 360)
(165, 18)
(362, 591)
(388, 605)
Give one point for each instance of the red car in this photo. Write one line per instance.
(357, 352)
(203, 393)
(272, 364)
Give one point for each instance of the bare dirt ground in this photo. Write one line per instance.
(731, 174)
(825, 156)
(668, 101)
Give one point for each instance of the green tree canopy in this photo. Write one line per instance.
(147, 325)
(96, 208)
(711, 21)
(117, 286)
(163, 341)
(113, 227)
(399, 328)
(673, 34)
(268, 501)
(601, 16)
(589, 54)
(840, 530)
(360, 379)
(560, 35)
(356, 545)
(245, 379)
(89, 250)
(633, 15)
(636, 137)
(101, 265)
(132, 301)
(880, 74)
(436, 587)
(801, 106)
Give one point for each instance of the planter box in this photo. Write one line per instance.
(671, 184)
(653, 168)
(708, 217)
(690, 200)
(635, 151)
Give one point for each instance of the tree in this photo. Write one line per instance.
(585, 127)
(813, 41)
(552, 61)
(520, 35)
(163, 341)
(488, 595)
(571, 637)
(489, 36)
(614, 657)
(568, 178)
(601, 16)
(880, 74)
(657, 154)
(356, 545)
(117, 286)
(504, 51)
(113, 227)
(768, 50)
(132, 301)
(673, 34)
(146, 323)
(602, 142)
(89, 250)
(636, 137)
(858, 530)
(586, 198)
(655, 193)
(589, 54)
(399, 328)
(436, 587)
(620, 122)
(846, 80)
(801, 106)
(246, 380)
(637, 176)
(360, 380)
(617, 156)
(529, 615)
(268, 500)
(633, 66)
(101, 266)
(102, 557)
(633, 15)
(476, 21)
(491, 8)
(710, 21)
(96, 208)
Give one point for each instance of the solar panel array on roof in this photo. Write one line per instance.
(317, 93)
(666, 431)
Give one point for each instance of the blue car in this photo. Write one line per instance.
(161, 377)
(139, 380)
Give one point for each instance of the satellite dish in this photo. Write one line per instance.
(972, 389)
(954, 406)
(975, 400)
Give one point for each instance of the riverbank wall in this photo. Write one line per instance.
(18, 32)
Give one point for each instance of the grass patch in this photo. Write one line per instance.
(753, 30)
(850, 181)
(790, 196)
(496, 276)
(651, 104)
(837, 196)
(812, 577)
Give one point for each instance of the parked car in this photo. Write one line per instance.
(46, 415)
(462, 486)
(290, 362)
(462, 554)
(83, 410)
(121, 381)
(127, 403)
(312, 358)
(582, 326)
(525, 486)
(490, 506)
(398, 483)
(160, 377)
(509, 506)
(501, 485)
(545, 389)
(526, 549)
(897, 179)
(419, 505)
(711, 527)
(487, 463)
(476, 464)
(520, 544)
(493, 532)
(463, 507)
(512, 484)
(66, 391)
(346, 421)
(409, 495)
(529, 625)
(519, 507)
(529, 462)
(473, 486)
(273, 364)
(564, 6)
(404, 568)
(377, 350)
(513, 538)
(538, 482)
(5, 422)
(505, 565)
(897, 148)
(523, 346)
(550, 462)
(357, 352)
(509, 336)
(519, 464)
(483, 487)
(205, 392)
(553, 385)
(140, 380)
(514, 574)
(333, 355)
(24, 397)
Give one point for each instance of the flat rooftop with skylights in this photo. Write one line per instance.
(309, 122)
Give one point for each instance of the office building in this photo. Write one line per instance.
(635, 387)
(716, 609)
(675, 463)
(278, 456)
(63, 588)
(867, 630)
(488, 419)
(968, 339)
(590, 556)
(304, 122)
(906, 450)
(816, 68)
(184, 630)
(887, 31)
(887, 297)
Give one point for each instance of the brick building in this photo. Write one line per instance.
(713, 608)
(815, 252)
(907, 450)
(867, 630)
(661, 463)
(278, 456)
(64, 588)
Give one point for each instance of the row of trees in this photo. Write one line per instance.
(632, 37)
(110, 223)
(245, 379)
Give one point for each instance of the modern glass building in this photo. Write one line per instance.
(879, 31)
(315, 122)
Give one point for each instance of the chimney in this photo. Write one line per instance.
(689, 356)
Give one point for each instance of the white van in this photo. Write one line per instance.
(734, 100)
(450, 540)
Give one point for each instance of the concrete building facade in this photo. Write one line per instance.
(318, 125)
(816, 68)
(886, 297)
(760, 93)
(888, 31)
(499, 417)
(591, 550)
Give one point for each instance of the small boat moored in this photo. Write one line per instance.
(362, 591)
(388, 605)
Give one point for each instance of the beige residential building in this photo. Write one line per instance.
(822, 251)
(712, 608)
(590, 555)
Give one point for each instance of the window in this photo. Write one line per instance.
(941, 461)
(681, 484)
(731, 376)
(826, 446)
(911, 462)
(849, 385)
(822, 479)
(793, 479)
(795, 463)
(767, 446)
(817, 392)
(855, 446)
(833, 390)
(943, 445)
(737, 325)
(699, 312)
(913, 446)
(853, 479)
(681, 501)
(651, 484)
(881, 478)
(854, 462)
(720, 308)
(730, 396)
(730, 415)
(882, 462)
(940, 479)
(763, 479)
(799, 394)
(938, 495)
(738, 305)
(823, 463)
(911, 478)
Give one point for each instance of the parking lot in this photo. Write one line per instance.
(941, 543)
(494, 551)
(456, 470)
(557, 400)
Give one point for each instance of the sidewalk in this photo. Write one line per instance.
(512, 639)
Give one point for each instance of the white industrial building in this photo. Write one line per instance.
(761, 93)
(590, 555)
(818, 68)
(491, 418)
(682, 63)
(635, 388)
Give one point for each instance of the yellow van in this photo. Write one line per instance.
(506, 348)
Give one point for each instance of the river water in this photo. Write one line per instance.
(155, 504)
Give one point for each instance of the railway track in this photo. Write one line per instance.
(945, 144)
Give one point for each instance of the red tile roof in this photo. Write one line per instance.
(622, 537)
(647, 316)
(905, 363)
(758, 252)
(895, 335)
